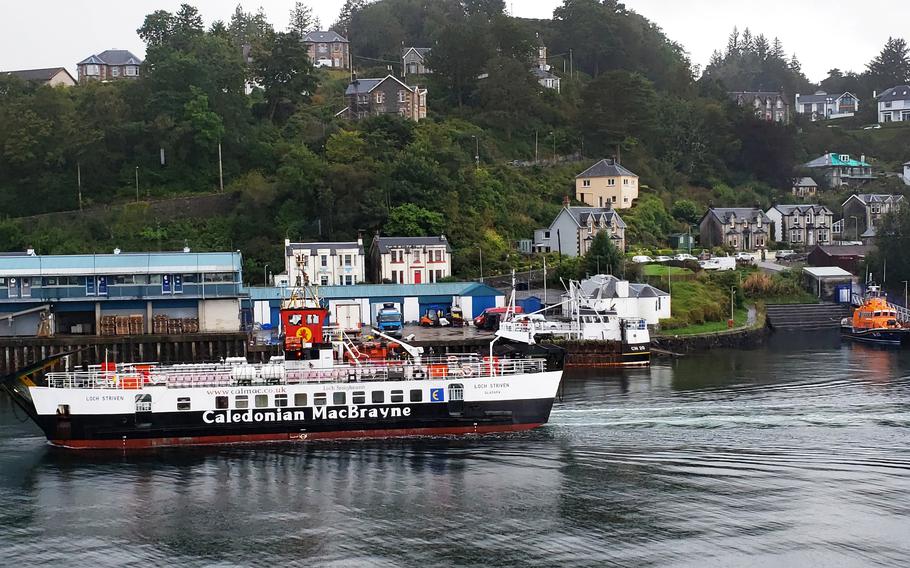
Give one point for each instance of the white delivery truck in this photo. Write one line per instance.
(348, 316)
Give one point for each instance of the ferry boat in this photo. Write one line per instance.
(313, 392)
(875, 321)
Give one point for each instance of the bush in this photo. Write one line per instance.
(696, 316)
(713, 311)
(673, 323)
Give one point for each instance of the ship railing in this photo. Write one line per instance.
(903, 314)
(430, 368)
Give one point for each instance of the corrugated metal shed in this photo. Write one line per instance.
(124, 263)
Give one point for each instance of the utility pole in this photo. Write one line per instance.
(79, 182)
(553, 134)
(137, 184)
(265, 278)
(545, 281)
(536, 152)
(220, 170)
(480, 252)
(571, 65)
(905, 293)
(476, 151)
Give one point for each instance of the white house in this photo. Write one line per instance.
(573, 230)
(821, 105)
(894, 104)
(411, 260)
(629, 300)
(324, 264)
(907, 173)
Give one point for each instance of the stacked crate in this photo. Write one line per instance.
(108, 325)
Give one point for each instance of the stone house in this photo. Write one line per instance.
(110, 65)
(840, 169)
(328, 49)
(805, 187)
(767, 105)
(389, 95)
(801, 225)
(52, 77)
(863, 212)
(413, 61)
(739, 228)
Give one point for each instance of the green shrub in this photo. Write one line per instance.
(696, 316)
(673, 323)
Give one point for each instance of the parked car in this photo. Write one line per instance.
(744, 257)
(682, 257)
(642, 259)
(785, 255)
(491, 317)
(662, 258)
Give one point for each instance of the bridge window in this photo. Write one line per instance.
(183, 403)
(262, 400)
(300, 399)
(416, 395)
(359, 397)
(281, 400)
(378, 397)
(221, 402)
(338, 398)
(241, 401)
(397, 396)
(319, 399)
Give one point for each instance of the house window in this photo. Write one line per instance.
(324, 261)
(625, 181)
(347, 260)
(363, 99)
(132, 70)
(394, 276)
(613, 199)
(323, 280)
(611, 182)
(402, 96)
(416, 256)
(92, 70)
(439, 275)
(348, 280)
(380, 97)
(115, 71)
(586, 183)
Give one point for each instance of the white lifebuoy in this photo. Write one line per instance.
(467, 370)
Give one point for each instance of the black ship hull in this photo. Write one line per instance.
(286, 424)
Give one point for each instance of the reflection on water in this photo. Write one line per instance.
(793, 453)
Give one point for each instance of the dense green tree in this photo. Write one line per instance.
(892, 66)
(620, 110)
(302, 20)
(411, 220)
(459, 57)
(603, 257)
(686, 210)
(283, 69)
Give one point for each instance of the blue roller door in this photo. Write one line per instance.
(480, 303)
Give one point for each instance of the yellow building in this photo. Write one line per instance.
(607, 184)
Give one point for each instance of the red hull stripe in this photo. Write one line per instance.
(136, 443)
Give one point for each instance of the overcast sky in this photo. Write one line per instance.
(823, 33)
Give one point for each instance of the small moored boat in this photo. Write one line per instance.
(875, 321)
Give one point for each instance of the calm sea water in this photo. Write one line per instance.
(793, 454)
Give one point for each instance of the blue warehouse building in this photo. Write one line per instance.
(358, 305)
(74, 294)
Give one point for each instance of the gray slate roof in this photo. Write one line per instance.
(363, 86)
(805, 182)
(385, 243)
(605, 168)
(899, 93)
(723, 213)
(869, 198)
(112, 57)
(845, 250)
(38, 74)
(582, 214)
(421, 51)
(602, 286)
(543, 74)
(312, 248)
(803, 209)
(324, 37)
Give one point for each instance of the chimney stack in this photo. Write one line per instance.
(565, 201)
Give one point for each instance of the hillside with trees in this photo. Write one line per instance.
(294, 169)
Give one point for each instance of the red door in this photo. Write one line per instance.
(417, 277)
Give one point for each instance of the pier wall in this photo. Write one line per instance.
(17, 352)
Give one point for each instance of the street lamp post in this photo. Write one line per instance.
(480, 252)
(137, 184)
(732, 290)
(265, 278)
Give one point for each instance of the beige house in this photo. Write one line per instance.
(607, 184)
(410, 260)
(52, 77)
